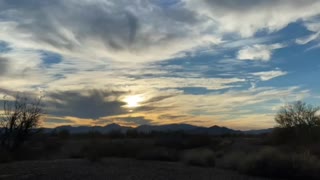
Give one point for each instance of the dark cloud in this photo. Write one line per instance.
(57, 121)
(116, 27)
(158, 98)
(241, 5)
(172, 117)
(149, 104)
(4, 65)
(91, 104)
(136, 120)
(244, 5)
(117, 24)
(148, 108)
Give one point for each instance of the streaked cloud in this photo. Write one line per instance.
(258, 52)
(247, 17)
(199, 62)
(267, 75)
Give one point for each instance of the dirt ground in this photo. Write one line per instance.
(113, 169)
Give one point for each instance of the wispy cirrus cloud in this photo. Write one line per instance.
(267, 75)
(314, 27)
(247, 17)
(258, 52)
(192, 61)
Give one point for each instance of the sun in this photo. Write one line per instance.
(133, 101)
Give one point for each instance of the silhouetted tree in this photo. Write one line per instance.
(19, 120)
(298, 114)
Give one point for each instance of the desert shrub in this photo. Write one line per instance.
(132, 133)
(184, 142)
(115, 134)
(267, 162)
(199, 157)
(97, 149)
(63, 134)
(19, 121)
(298, 114)
(296, 136)
(273, 163)
(315, 149)
(198, 141)
(232, 160)
(270, 162)
(5, 156)
(94, 151)
(221, 144)
(159, 154)
(170, 142)
(297, 124)
(52, 144)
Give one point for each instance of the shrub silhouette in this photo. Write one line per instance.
(159, 154)
(298, 114)
(19, 121)
(199, 157)
(298, 123)
(273, 163)
(63, 134)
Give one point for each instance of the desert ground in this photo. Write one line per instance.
(113, 169)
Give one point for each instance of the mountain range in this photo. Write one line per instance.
(187, 128)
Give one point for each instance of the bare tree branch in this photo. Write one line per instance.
(19, 120)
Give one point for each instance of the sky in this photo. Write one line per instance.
(202, 62)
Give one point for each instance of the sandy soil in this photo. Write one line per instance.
(113, 169)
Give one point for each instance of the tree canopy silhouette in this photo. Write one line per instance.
(298, 114)
(19, 120)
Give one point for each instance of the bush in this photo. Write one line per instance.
(159, 154)
(197, 141)
(181, 142)
(52, 144)
(5, 156)
(298, 114)
(132, 133)
(232, 160)
(97, 149)
(170, 142)
(270, 162)
(115, 134)
(296, 136)
(199, 157)
(63, 134)
(19, 121)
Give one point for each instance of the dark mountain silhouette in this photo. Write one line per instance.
(84, 129)
(259, 131)
(215, 130)
(166, 128)
(187, 128)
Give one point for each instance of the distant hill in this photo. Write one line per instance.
(84, 129)
(187, 128)
(260, 131)
(166, 128)
(215, 130)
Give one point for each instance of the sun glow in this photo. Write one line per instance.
(133, 101)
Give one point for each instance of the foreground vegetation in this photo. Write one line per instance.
(251, 155)
(291, 151)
